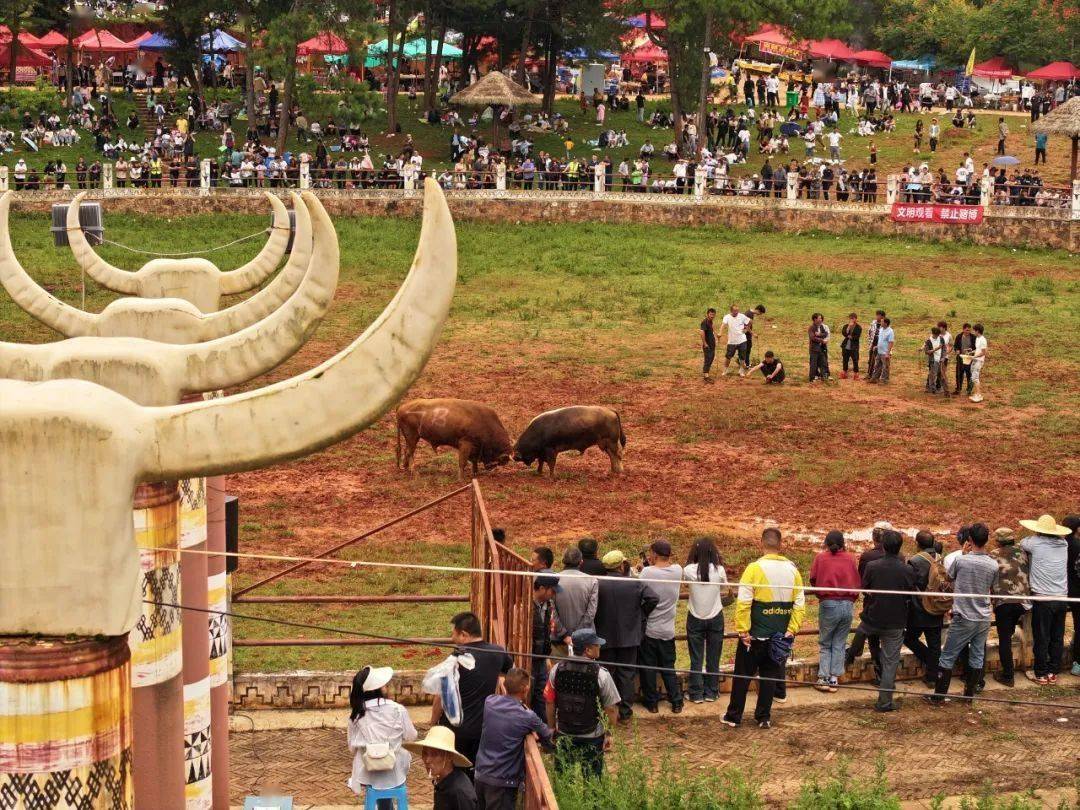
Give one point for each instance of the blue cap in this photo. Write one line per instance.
(547, 581)
(586, 637)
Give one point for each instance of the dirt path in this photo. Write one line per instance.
(927, 751)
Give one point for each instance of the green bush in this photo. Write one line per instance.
(844, 792)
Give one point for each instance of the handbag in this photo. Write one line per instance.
(378, 757)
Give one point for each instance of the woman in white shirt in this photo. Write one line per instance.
(977, 361)
(704, 569)
(377, 728)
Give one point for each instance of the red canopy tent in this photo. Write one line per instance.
(994, 68)
(53, 39)
(871, 59)
(323, 43)
(103, 41)
(1056, 72)
(649, 52)
(141, 38)
(24, 56)
(776, 41)
(28, 39)
(834, 49)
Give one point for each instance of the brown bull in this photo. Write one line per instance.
(577, 427)
(471, 427)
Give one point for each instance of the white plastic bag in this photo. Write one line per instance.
(442, 680)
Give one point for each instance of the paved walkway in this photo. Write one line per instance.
(1015, 748)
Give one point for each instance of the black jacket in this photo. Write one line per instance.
(622, 606)
(591, 565)
(917, 617)
(886, 612)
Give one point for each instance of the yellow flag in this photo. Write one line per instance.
(971, 63)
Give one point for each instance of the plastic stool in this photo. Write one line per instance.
(398, 794)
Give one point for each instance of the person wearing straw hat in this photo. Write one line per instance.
(1048, 575)
(444, 766)
(377, 728)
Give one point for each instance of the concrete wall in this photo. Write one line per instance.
(1004, 226)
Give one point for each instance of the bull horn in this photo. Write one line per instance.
(109, 277)
(273, 295)
(255, 272)
(268, 343)
(69, 321)
(328, 403)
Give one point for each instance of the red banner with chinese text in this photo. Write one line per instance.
(786, 51)
(929, 212)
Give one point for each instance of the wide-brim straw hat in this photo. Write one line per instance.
(1046, 525)
(439, 738)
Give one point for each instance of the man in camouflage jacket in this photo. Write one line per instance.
(1012, 581)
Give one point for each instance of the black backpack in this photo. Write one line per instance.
(577, 694)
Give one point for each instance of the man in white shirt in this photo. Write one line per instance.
(735, 322)
(772, 92)
(977, 362)
(935, 350)
(658, 646)
(834, 138)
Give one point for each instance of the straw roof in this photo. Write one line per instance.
(1062, 120)
(494, 89)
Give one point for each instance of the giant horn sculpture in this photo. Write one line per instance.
(167, 320)
(71, 453)
(153, 373)
(196, 280)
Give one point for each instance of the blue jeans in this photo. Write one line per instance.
(963, 632)
(834, 624)
(705, 638)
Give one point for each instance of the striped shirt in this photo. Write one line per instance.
(771, 599)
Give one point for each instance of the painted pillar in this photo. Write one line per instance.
(220, 638)
(107, 177)
(196, 645)
(65, 722)
(700, 178)
(3, 178)
(156, 658)
(892, 185)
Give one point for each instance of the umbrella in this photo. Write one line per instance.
(323, 43)
(580, 54)
(790, 128)
(495, 90)
(221, 42)
(1063, 120)
(649, 52)
(420, 48)
(156, 42)
(1005, 160)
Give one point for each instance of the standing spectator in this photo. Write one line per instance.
(769, 611)
(973, 572)
(978, 359)
(576, 690)
(658, 645)
(934, 347)
(1073, 522)
(575, 604)
(834, 137)
(377, 728)
(817, 335)
(500, 760)
(639, 100)
(623, 605)
(886, 338)
(872, 343)
(544, 590)
(705, 619)
(589, 562)
(491, 663)
(1049, 553)
(1013, 564)
(935, 134)
(708, 343)
(19, 173)
(964, 344)
(447, 770)
(858, 640)
(1003, 134)
(735, 322)
(833, 568)
(920, 621)
(542, 560)
(849, 347)
(885, 615)
(1040, 147)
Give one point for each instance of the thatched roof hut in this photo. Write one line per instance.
(1063, 120)
(495, 90)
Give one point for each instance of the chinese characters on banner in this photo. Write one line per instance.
(786, 51)
(949, 214)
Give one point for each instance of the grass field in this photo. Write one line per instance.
(549, 315)
(895, 150)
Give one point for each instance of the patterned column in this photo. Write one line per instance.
(156, 659)
(196, 646)
(65, 723)
(220, 638)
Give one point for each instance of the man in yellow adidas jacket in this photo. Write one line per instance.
(771, 604)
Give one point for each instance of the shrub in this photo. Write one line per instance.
(844, 792)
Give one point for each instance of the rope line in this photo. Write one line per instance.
(642, 667)
(187, 252)
(459, 569)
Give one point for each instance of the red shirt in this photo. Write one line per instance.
(835, 570)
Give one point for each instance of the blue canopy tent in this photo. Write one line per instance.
(579, 54)
(221, 42)
(925, 63)
(157, 42)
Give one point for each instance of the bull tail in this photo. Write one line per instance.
(622, 434)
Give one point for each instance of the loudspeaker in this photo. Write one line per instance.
(232, 532)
